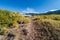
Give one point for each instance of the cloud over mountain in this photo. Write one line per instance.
(29, 10)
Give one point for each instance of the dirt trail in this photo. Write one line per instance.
(33, 31)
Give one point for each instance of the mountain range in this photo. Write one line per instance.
(47, 13)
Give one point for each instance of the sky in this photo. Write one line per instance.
(30, 6)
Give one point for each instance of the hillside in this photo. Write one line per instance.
(15, 26)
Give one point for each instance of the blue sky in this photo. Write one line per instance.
(30, 6)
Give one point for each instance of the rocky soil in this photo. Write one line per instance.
(33, 31)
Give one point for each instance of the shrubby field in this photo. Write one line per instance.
(49, 24)
(10, 19)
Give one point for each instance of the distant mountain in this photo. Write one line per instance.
(47, 13)
(54, 12)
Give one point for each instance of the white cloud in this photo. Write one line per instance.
(29, 10)
(54, 10)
